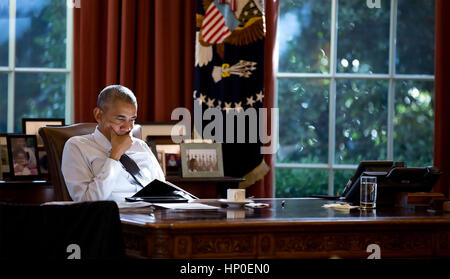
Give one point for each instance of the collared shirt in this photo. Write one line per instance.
(91, 175)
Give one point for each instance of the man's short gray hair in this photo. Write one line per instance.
(112, 93)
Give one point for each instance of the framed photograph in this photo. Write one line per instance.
(30, 126)
(201, 159)
(1, 172)
(172, 163)
(161, 132)
(4, 162)
(23, 154)
(161, 156)
(170, 153)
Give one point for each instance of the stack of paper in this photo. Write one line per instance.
(134, 206)
(186, 206)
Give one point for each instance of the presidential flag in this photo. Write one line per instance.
(229, 74)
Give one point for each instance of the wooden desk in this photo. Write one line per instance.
(206, 187)
(300, 229)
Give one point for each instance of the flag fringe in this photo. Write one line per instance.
(199, 20)
(254, 175)
(206, 4)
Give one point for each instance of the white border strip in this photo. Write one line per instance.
(11, 65)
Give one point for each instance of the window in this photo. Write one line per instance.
(35, 61)
(354, 83)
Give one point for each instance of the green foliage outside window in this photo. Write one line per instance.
(361, 120)
(41, 36)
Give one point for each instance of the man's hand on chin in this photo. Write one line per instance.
(119, 144)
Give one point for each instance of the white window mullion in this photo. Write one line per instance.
(11, 65)
(409, 76)
(391, 92)
(356, 76)
(40, 70)
(332, 98)
(69, 66)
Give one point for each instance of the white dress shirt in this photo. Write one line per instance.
(91, 175)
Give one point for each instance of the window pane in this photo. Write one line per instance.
(41, 33)
(361, 117)
(413, 123)
(39, 95)
(300, 182)
(363, 37)
(303, 120)
(415, 37)
(4, 34)
(3, 102)
(341, 178)
(304, 36)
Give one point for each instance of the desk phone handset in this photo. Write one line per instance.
(392, 177)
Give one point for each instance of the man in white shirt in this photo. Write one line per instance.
(90, 163)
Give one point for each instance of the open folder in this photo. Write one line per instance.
(159, 191)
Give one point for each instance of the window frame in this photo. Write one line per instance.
(11, 69)
(333, 76)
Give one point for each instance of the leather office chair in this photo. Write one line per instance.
(47, 231)
(54, 140)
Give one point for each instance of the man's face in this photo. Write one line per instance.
(118, 116)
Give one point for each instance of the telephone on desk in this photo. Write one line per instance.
(392, 178)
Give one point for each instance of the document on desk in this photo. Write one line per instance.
(134, 207)
(186, 206)
(125, 204)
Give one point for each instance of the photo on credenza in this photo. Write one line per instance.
(202, 160)
(160, 155)
(30, 126)
(4, 162)
(169, 168)
(1, 172)
(155, 133)
(23, 154)
(172, 163)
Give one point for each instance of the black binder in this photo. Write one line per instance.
(159, 191)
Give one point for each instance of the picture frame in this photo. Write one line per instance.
(161, 132)
(1, 172)
(23, 157)
(160, 156)
(30, 126)
(165, 152)
(4, 159)
(201, 160)
(172, 162)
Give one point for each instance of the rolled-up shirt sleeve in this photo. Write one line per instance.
(81, 182)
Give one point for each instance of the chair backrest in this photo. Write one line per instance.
(90, 230)
(54, 140)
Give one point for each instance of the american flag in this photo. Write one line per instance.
(230, 77)
(214, 30)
